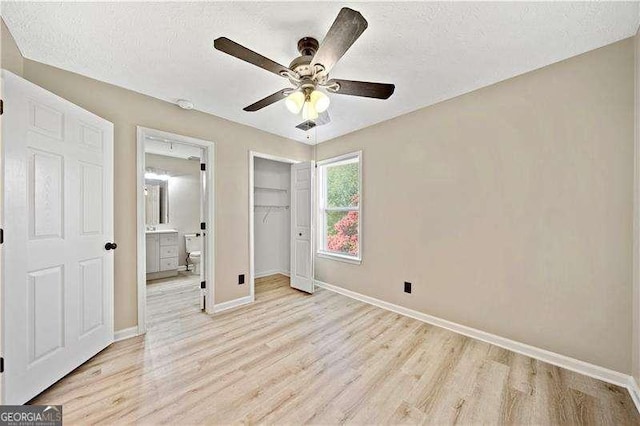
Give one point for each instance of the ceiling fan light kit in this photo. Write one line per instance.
(313, 100)
(310, 71)
(309, 112)
(295, 101)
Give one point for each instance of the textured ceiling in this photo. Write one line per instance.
(431, 51)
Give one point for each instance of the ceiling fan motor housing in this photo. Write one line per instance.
(307, 46)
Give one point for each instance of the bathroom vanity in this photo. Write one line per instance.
(162, 253)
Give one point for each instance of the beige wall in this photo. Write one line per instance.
(127, 109)
(508, 208)
(10, 56)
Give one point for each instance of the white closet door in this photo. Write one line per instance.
(301, 236)
(58, 215)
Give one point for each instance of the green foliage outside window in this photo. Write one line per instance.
(342, 191)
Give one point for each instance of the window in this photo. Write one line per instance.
(340, 207)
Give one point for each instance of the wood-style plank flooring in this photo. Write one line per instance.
(292, 358)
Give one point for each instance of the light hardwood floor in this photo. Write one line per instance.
(292, 358)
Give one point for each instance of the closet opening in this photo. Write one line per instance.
(272, 206)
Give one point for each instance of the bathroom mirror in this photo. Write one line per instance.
(156, 202)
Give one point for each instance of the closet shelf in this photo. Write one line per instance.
(265, 188)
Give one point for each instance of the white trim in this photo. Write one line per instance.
(269, 273)
(321, 210)
(126, 333)
(209, 242)
(232, 304)
(635, 340)
(252, 156)
(339, 158)
(591, 370)
(141, 260)
(338, 257)
(634, 390)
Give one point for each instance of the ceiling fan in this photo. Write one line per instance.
(310, 71)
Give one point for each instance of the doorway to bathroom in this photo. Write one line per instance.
(175, 227)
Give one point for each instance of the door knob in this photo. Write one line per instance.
(110, 246)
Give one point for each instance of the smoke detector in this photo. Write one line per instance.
(184, 104)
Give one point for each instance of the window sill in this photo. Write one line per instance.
(339, 258)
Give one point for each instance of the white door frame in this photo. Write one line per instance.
(252, 156)
(208, 257)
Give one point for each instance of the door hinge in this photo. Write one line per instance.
(203, 166)
(1, 236)
(203, 284)
(2, 365)
(1, 106)
(203, 225)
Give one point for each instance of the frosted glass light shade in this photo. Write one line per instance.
(156, 176)
(319, 100)
(294, 102)
(309, 111)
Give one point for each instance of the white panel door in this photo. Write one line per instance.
(301, 235)
(57, 306)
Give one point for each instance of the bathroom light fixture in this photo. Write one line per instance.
(156, 176)
(310, 102)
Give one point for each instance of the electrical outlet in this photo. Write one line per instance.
(407, 287)
(241, 279)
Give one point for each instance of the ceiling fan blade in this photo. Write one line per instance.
(278, 96)
(232, 48)
(323, 118)
(345, 30)
(362, 88)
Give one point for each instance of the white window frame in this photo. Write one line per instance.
(322, 208)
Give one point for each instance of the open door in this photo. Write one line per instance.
(57, 256)
(301, 220)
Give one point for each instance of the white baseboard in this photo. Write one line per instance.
(125, 333)
(266, 273)
(634, 390)
(272, 272)
(591, 370)
(219, 307)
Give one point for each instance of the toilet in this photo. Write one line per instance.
(193, 245)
